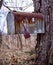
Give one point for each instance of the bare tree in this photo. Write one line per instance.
(44, 41)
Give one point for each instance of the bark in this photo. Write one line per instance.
(1, 1)
(44, 41)
(0, 40)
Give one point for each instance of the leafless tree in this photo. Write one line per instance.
(44, 41)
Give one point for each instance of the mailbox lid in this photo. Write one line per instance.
(10, 23)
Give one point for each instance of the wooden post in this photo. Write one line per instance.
(0, 38)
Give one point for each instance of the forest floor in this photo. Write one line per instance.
(15, 55)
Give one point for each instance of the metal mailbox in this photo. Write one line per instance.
(34, 22)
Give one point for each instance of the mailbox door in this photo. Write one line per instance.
(10, 23)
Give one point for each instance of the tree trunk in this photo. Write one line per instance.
(45, 41)
(0, 40)
(1, 1)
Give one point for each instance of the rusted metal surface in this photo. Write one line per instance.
(15, 21)
(28, 15)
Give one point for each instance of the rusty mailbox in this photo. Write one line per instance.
(33, 22)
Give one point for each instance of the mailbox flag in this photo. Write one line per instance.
(26, 32)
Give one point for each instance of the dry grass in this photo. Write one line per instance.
(11, 52)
